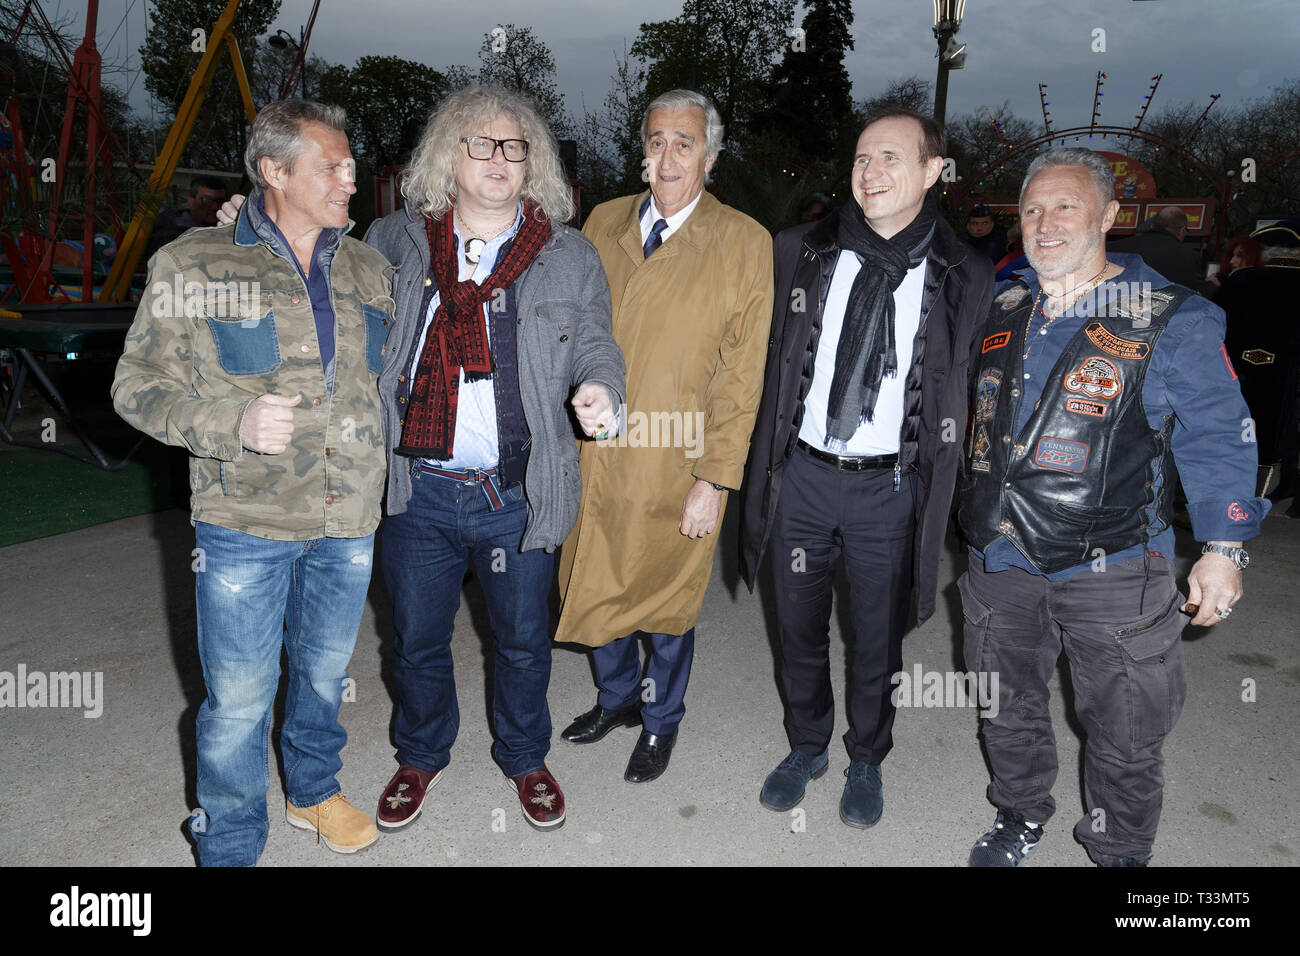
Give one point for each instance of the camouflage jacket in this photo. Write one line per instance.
(226, 318)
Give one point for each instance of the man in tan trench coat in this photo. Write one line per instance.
(691, 281)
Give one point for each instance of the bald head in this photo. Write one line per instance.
(1171, 219)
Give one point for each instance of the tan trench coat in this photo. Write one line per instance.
(693, 322)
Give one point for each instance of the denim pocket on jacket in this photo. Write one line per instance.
(247, 346)
(377, 325)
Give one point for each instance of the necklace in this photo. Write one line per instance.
(1052, 318)
(477, 242)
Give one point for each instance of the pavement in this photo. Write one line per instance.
(117, 789)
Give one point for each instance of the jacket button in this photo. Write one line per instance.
(1005, 527)
(329, 499)
(1006, 439)
(1019, 449)
(427, 282)
(401, 401)
(329, 452)
(306, 348)
(564, 338)
(1015, 393)
(383, 321)
(315, 401)
(295, 299)
(401, 378)
(1006, 484)
(401, 421)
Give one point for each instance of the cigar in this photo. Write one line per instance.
(1190, 609)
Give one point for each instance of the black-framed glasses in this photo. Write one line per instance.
(485, 147)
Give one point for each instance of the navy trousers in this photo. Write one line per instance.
(618, 675)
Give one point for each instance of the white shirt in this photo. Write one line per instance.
(476, 442)
(651, 215)
(881, 435)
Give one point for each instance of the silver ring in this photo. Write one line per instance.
(1223, 612)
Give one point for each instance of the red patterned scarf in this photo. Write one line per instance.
(457, 337)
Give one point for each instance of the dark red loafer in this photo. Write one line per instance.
(541, 798)
(404, 796)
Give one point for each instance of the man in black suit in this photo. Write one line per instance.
(877, 315)
(1161, 247)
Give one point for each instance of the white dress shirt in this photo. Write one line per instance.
(881, 435)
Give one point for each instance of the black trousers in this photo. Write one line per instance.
(821, 514)
(1122, 632)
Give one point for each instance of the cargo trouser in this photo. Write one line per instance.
(1122, 633)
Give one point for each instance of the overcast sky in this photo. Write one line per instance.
(1240, 49)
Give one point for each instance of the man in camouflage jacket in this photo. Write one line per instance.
(257, 347)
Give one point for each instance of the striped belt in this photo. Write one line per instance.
(485, 478)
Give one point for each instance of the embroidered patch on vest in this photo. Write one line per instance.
(1083, 406)
(986, 394)
(1096, 377)
(995, 341)
(1112, 344)
(1237, 513)
(1060, 454)
(1012, 297)
(1258, 357)
(979, 453)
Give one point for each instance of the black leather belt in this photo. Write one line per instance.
(850, 464)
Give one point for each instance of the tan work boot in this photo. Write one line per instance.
(342, 827)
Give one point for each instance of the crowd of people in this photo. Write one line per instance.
(476, 374)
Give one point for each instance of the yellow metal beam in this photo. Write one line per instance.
(117, 288)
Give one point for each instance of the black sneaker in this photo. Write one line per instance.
(1007, 844)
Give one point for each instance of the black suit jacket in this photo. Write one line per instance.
(958, 291)
(1162, 251)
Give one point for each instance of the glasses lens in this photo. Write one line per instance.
(516, 150)
(479, 148)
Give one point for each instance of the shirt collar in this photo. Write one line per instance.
(676, 219)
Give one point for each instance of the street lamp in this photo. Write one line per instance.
(283, 41)
(952, 56)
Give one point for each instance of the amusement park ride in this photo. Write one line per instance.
(54, 317)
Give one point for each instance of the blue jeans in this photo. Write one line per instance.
(253, 596)
(426, 549)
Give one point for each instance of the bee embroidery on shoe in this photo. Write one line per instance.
(543, 799)
(399, 798)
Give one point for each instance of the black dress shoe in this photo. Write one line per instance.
(597, 722)
(650, 757)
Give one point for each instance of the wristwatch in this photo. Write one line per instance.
(1237, 556)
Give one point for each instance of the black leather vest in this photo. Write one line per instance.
(1080, 475)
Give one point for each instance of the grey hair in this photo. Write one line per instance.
(277, 133)
(1103, 177)
(675, 100)
(429, 182)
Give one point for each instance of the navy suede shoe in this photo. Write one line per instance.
(784, 786)
(863, 799)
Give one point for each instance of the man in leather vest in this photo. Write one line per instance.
(858, 443)
(1095, 376)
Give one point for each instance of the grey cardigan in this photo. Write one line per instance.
(564, 340)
